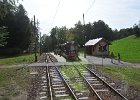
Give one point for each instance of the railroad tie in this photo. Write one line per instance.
(83, 98)
(102, 90)
(61, 95)
(43, 98)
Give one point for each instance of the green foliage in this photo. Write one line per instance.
(17, 60)
(19, 30)
(3, 36)
(61, 35)
(136, 30)
(46, 43)
(53, 38)
(23, 33)
(131, 75)
(69, 36)
(100, 29)
(80, 33)
(6, 6)
(129, 48)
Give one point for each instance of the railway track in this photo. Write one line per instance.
(102, 89)
(60, 90)
(59, 87)
(49, 83)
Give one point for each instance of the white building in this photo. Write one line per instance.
(97, 47)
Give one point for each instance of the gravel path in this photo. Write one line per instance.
(106, 61)
(88, 60)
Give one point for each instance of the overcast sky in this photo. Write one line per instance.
(116, 13)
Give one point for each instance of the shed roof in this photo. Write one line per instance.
(93, 41)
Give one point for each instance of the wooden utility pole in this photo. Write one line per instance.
(40, 45)
(84, 36)
(35, 34)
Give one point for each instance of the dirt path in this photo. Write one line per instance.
(11, 66)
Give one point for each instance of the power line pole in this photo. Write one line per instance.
(84, 35)
(40, 45)
(35, 39)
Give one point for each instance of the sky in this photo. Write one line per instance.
(117, 14)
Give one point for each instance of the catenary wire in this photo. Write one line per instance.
(56, 12)
(90, 7)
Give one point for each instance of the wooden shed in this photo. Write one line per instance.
(97, 47)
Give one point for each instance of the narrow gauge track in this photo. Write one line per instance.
(47, 83)
(101, 89)
(58, 86)
(56, 80)
(82, 94)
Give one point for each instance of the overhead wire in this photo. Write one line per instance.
(56, 12)
(90, 7)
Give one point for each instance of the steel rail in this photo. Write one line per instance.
(71, 91)
(73, 95)
(92, 89)
(49, 81)
(111, 88)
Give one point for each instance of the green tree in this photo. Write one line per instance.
(136, 30)
(7, 6)
(19, 29)
(79, 33)
(53, 38)
(3, 36)
(46, 43)
(69, 36)
(23, 27)
(61, 35)
(100, 29)
(89, 31)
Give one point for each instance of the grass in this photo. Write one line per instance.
(13, 81)
(131, 75)
(71, 73)
(129, 48)
(17, 60)
(78, 86)
(81, 50)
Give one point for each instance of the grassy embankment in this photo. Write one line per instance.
(129, 49)
(13, 81)
(131, 75)
(23, 59)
